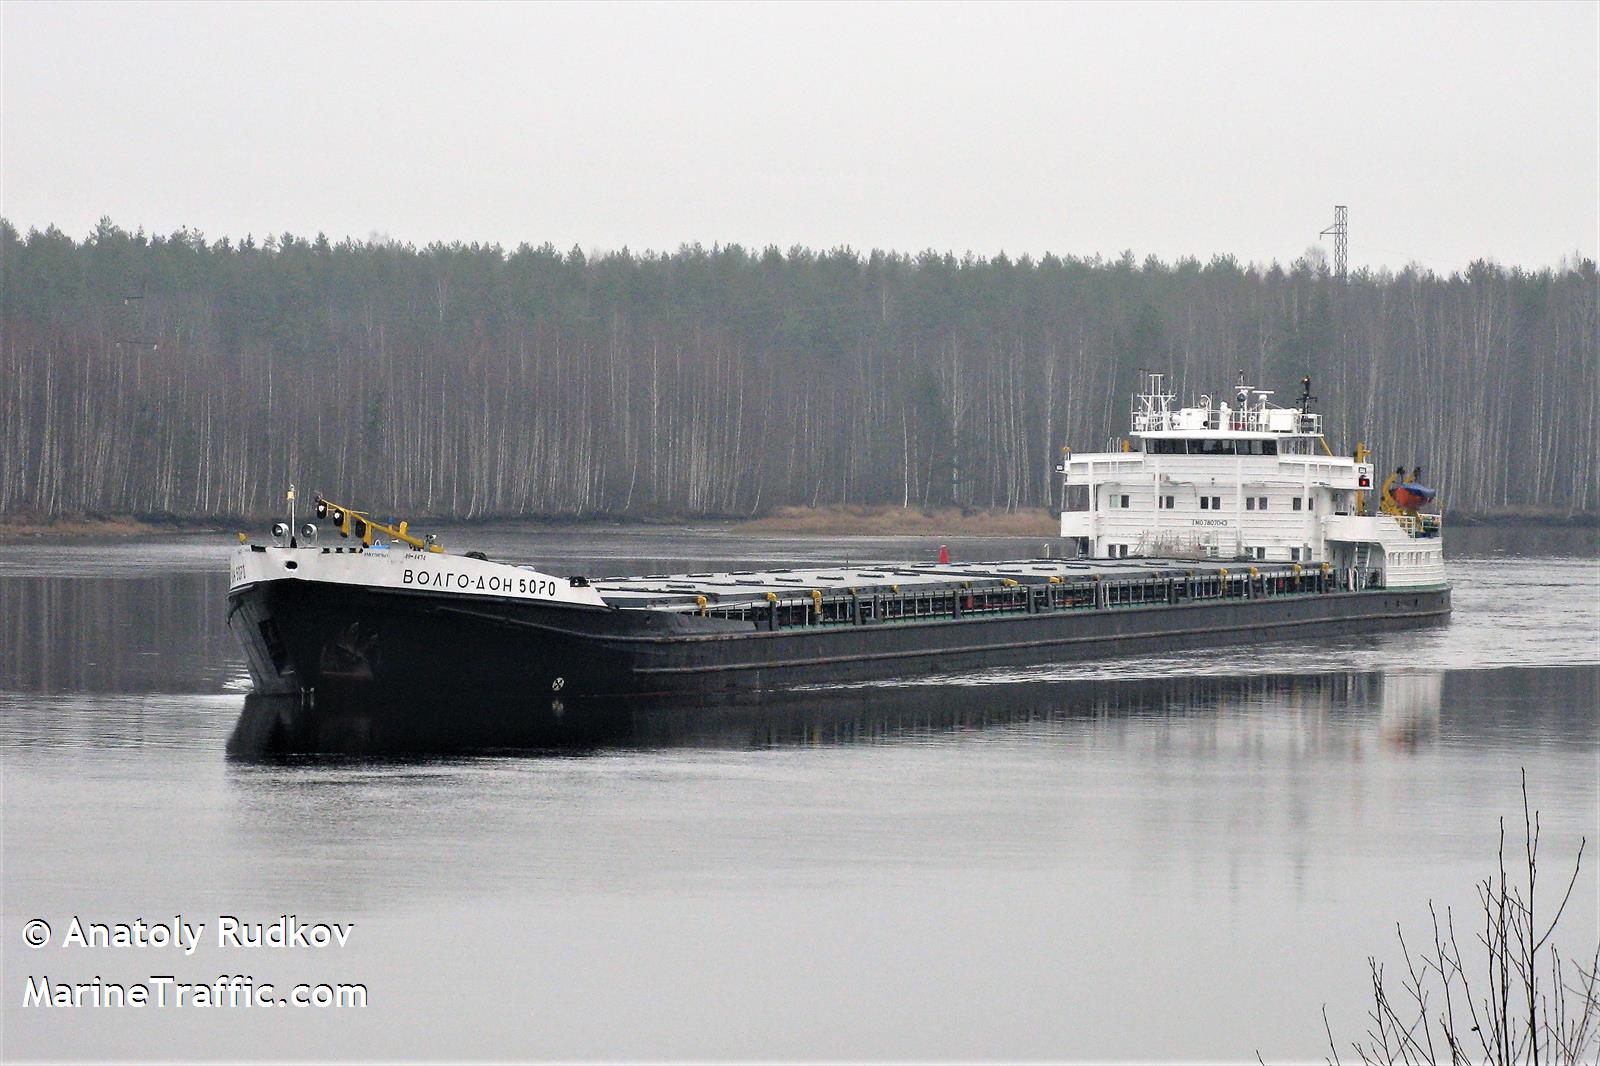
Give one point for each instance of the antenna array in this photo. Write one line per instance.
(1341, 240)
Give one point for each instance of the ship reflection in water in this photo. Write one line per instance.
(1409, 709)
(1406, 705)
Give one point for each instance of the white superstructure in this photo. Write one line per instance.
(1248, 480)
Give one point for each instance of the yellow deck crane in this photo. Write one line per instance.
(352, 523)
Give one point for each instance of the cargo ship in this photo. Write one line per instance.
(1225, 521)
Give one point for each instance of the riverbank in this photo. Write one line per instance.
(891, 521)
(839, 519)
(886, 520)
(864, 520)
(96, 527)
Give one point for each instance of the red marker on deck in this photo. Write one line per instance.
(944, 553)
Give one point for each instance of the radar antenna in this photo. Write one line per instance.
(1306, 399)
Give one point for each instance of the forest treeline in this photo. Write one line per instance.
(175, 375)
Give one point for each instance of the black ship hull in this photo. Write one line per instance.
(342, 667)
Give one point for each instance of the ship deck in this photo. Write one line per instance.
(902, 579)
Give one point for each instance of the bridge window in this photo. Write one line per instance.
(1211, 446)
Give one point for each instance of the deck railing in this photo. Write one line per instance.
(842, 608)
(1420, 525)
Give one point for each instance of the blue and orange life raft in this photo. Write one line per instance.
(1411, 494)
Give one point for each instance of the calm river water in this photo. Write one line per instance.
(1169, 857)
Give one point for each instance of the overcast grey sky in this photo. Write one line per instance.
(1453, 131)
